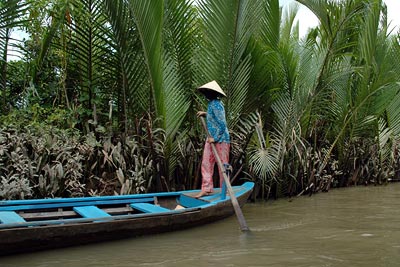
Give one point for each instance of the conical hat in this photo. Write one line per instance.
(213, 86)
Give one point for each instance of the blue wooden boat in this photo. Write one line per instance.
(30, 225)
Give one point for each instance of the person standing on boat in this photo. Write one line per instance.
(219, 135)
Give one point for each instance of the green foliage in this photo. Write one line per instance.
(104, 100)
(40, 160)
(15, 169)
(11, 16)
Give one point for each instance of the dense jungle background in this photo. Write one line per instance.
(100, 95)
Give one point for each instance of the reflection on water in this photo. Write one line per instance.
(345, 227)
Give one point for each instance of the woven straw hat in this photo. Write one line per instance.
(212, 86)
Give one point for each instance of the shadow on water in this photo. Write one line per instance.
(345, 227)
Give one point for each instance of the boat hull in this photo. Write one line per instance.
(33, 238)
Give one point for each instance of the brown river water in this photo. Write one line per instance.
(357, 226)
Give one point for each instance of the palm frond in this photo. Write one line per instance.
(179, 30)
(393, 115)
(88, 46)
(333, 16)
(368, 36)
(264, 163)
(287, 24)
(266, 78)
(179, 35)
(377, 81)
(223, 55)
(384, 134)
(269, 31)
(393, 108)
(59, 12)
(338, 28)
(12, 13)
(263, 154)
(148, 18)
(176, 100)
(238, 91)
(11, 16)
(132, 89)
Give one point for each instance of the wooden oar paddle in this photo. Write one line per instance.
(235, 204)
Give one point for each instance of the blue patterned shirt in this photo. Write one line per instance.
(216, 122)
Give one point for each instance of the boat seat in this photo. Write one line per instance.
(191, 202)
(90, 212)
(148, 208)
(10, 217)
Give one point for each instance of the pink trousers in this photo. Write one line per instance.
(208, 163)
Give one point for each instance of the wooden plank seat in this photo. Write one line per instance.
(75, 204)
(10, 217)
(91, 212)
(191, 202)
(148, 208)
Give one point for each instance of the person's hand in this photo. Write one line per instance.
(210, 140)
(201, 114)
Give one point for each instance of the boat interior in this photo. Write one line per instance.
(49, 210)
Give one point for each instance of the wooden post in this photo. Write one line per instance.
(235, 204)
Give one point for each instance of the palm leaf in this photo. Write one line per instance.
(179, 35)
(179, 31)
(268, 72)
(392, 63)
(59, 12)
(270, 24)
(338, 24)
(384, 147)
(393, 114)
(148, 19)
(11, 15)
(223, 56)
(264, 157)
(176, 101)
(264, 163)
(88, 47)
(132, 91)
(288, 22)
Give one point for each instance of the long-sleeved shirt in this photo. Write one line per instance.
(216, 121)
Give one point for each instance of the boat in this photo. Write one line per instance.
(39, 224)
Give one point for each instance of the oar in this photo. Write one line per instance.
(235, 204)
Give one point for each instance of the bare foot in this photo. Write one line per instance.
(202, 194)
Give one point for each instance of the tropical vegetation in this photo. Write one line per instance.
(102, 96)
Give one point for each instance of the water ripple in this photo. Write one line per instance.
(276, 227)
